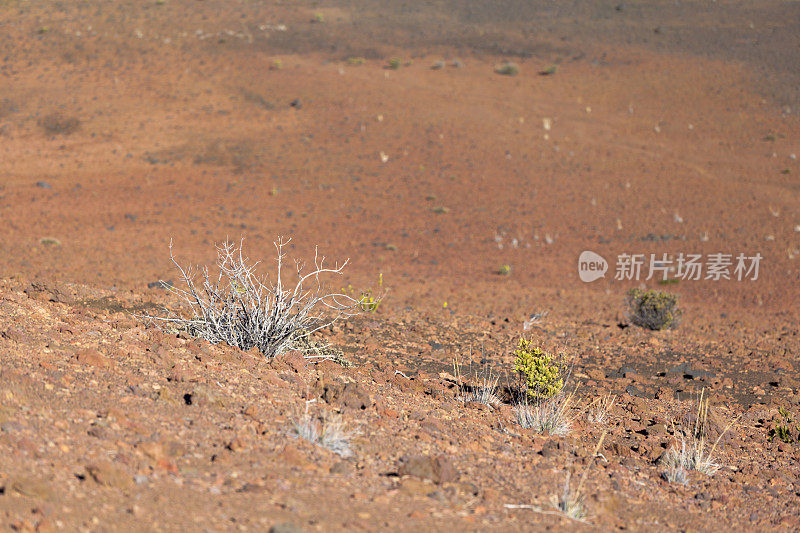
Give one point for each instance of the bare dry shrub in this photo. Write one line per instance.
(238, 308)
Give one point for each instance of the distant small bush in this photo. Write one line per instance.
(651, 309)
(507, 69)
(542, 374)
(549, 71)
(58, 124)
(395, 63)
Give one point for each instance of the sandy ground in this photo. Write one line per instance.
(630, 128)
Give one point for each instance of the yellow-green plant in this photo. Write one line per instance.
(368, 302)
(542, 372)
(783, 429)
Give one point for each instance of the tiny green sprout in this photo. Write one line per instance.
(277, 64)
(318, 18)
(49, 241)
(368, 302)
(356, 61)
(395, 63)
(783, 429)
(273, 191)
(504, 270)
(43, 29)
(549, 71)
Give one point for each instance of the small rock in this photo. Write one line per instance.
(91, 357)
(15, 334)
(106, 474)
(550, 448)
(295, 360)
(355, 396)
(286, 527)
(596, 373)
(32, 488)
(180, 373)
(294, 457)
(438, 469)
(636, 392)
(342, 467)
(351, 395)
(152, 449)
(477, 405)
(98, 431)
(238, 444)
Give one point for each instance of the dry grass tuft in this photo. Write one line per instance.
(546, 415)
(693, 453)
(600, 407)
(328, 431)
(485, 393)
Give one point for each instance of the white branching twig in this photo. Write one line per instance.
(240, 309)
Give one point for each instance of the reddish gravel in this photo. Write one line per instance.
(124, 125)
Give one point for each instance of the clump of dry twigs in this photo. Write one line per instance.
(241, 309)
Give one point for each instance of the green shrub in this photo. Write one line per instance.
(507, 69)
(395, 63)
(653, 309)
(542, 373)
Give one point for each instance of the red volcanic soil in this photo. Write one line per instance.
(629, 129)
